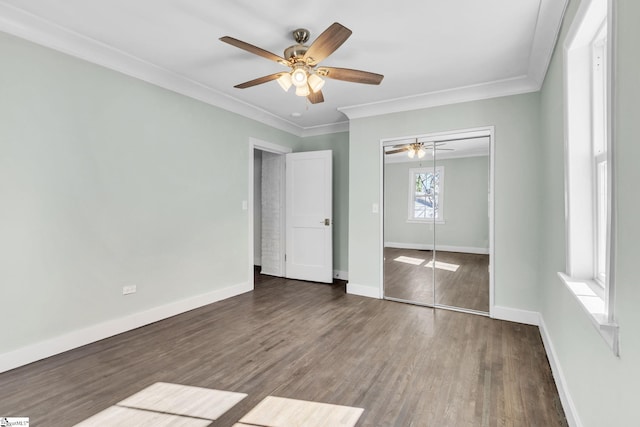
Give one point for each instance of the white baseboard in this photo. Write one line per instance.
(364, 291)
(268, 272)
(341, 275)
(80, 337)
(535, 318)
(515, 315)
(561, 384)
(429, 247)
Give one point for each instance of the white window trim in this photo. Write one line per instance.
(597, 302)
(410, 206)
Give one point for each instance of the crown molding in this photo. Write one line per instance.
(37, 30)
(546, 33)
(325, 129)
(496, 89)
(40, 31)
(550, 16)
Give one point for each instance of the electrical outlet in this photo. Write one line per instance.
(126, 290)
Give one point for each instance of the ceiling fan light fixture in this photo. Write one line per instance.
(421, 153)
(315, 82)
(303, 90)
(285, 81)
(302, 61)
(299, 77)
(411, 153)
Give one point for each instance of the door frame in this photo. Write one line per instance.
(461, 134)
(257, 144)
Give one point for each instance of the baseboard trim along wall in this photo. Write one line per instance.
(80, 337)
(429, 247)
(561, 383)
(515, 315)
(363, 291)
(268, 272)
(536, 319)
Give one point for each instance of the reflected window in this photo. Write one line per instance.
(426, 194)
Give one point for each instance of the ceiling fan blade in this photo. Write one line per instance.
(315, 97)
(254, 49)
(258, 81)
(399, 150)
(350, 75)
(327, 43)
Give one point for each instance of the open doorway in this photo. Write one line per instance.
(266, 208)
(290, 212)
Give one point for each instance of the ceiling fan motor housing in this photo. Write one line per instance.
(295, 52)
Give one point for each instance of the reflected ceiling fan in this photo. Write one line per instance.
(302, 61)
(418, 149)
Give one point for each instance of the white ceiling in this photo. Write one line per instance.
(431, 52)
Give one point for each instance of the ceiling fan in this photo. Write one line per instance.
(303, 60)
(419, 149)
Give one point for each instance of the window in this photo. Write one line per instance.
(426, 201)
(589, 168)
(599, 146)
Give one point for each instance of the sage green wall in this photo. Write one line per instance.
(108, 181)
(604, 388)
(517, 191)
(465, 208)
(339, 144)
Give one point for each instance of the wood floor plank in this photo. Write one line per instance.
(405, 365)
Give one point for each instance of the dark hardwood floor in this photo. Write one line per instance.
(405, 365)
(467, 287)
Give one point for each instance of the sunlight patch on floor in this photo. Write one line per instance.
(279, 411)
(174, 405)
(409, 260)
(163, 404)
(120, 416)
(443, 266)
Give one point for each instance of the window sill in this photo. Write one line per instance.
(425, 221)
(591, 299)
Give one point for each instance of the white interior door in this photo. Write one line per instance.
(309, 246)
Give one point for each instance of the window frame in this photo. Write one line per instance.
(594, 291)
(599, 93)
(439, 170)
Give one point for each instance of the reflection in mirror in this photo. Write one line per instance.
(436, 222)
(411, 204)
(461, 264)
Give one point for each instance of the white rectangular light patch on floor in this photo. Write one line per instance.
(443, 266)
(165, 404)
(409, 260)
(119, 416)
(185, 400)
(280, 411)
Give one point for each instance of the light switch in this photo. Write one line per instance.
(375, 208)
(244, 205)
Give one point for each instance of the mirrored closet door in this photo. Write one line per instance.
(437, 221)
(408, 223)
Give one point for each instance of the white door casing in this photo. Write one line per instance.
(309, 245)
